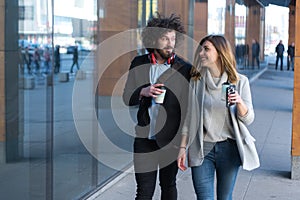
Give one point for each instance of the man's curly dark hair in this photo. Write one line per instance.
(158, 26)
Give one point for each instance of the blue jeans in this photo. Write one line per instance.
(292, 63)
(146, 166)
(224, 160)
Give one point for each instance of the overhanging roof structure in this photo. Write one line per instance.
(264, 3)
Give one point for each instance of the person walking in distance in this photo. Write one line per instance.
(27, 60)
(75, 59)
(219, 101)
(291, 55)
(156, 141)
(47, 59)
(279, 54)
(57, 59)
(36, 59)
(255, 53)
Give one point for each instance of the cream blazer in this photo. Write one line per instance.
(193, 126)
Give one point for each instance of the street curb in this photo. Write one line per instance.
(115, 180)
(258, 75)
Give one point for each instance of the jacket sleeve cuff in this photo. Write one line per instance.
(248, 118)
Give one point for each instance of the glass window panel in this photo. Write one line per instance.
(44, 155)
(116, 141)
(240, 23)
(216, 17)
(73, 35)
(25, 167)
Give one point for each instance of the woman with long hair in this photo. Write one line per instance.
(209, 132)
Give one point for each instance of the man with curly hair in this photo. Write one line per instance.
(157, 140)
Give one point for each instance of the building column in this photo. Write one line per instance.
(262, 38)
(295, 171)
(230, 22)
(9, 82)
(291, 24)
(255, 28)
(2, 82)
(185, 9)
(200, 19)
(180, 7)
(117, 16)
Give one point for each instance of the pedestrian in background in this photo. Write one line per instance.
(255, 53)
(75, 59)
(27, 59)
(21, 60)
(245, 53)
(57, 59)
(279, 54)
(157, 138)
(291, 55)
(209, 132)
(47, 59)
(36, 59)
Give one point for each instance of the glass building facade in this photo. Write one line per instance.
(64, 135)
(52, 148)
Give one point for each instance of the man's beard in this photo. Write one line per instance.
(165, 54)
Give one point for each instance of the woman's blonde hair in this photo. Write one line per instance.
(226, 56)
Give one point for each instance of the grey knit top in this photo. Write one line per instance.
(207, 120)
(216, 121)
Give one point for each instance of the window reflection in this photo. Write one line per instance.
(216, 17)
(240, 23)
(50, 155)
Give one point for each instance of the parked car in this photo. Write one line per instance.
(70, 49)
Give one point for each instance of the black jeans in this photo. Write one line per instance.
(148, 158)
(255, 58)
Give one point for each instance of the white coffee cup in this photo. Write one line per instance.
(160, 97)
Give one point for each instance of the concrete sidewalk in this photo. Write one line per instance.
(272, 93)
